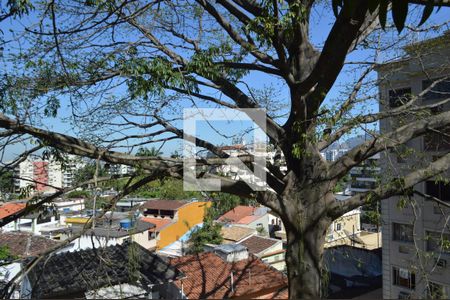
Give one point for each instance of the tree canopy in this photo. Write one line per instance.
(117, 75)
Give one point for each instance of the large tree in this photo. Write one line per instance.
(125, 68)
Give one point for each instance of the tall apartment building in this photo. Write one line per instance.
(46, 175)
(363, 178)
(416, 256)
(120, 170)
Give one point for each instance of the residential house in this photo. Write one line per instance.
(113, 229)
(67, 206)
(235, 233)
(416, 262)
(114, 272)
(128, 204)
(229, 271)
(270, 250)
(346, 230)
(248, 216)
(32, 222)
(173, 219)
(20, 245)
(7, 211)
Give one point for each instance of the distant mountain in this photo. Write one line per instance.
(350, 142)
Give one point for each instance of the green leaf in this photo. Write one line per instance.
(399, 13)
(427, 11)
(383, 13)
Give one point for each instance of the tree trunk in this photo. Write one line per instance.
(304, 262)
(306, 222)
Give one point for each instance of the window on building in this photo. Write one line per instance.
(403, 232)
(403, 277)
(437, 140)
(151, 235)
(403, 249)
(154, 212)
(403, 295)
(438, 242)
(338, 227)
(398, 97)
(438, 189)
(436, 291)
(440, 91)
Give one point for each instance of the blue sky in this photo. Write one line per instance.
(322, 21)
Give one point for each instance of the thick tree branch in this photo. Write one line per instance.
(395, 187)
(387, 141)
(263, 57)
(371, 118)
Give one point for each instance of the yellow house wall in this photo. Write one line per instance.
(188, 216)
(349, 223)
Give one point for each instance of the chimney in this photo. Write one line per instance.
(232, 252)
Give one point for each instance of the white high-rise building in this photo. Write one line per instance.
(416, 256)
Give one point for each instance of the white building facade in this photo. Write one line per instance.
(416, 263)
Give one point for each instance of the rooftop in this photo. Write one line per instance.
(10, 208)
(230, 248)
(158, 222)
(23, 244)
(75, 273)
(114, 230)
(243, 214)
(233, 147)
(208, 276)
(164, 204)
(236, 233)
(257, 244)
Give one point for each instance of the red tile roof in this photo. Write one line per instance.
(208, 276)
(237, 214)
(23, 244)
(248, 219)
(164, 204)
(8, 209)
(256, 244)
(158, 222)
(280, 294)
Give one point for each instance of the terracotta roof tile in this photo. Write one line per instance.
(23, 244)
(237, 213)
(164, 204)
(158, 222)
(208, 276)
(280, 294)
(256, 244)
(8, 209)
(236, 233)
(248, 219)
